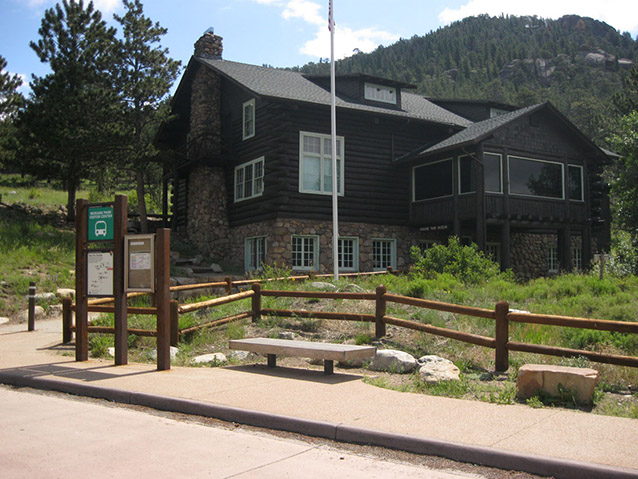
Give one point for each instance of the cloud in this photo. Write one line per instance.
(620, 14)
(346, 39)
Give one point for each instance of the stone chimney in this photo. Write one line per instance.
(209, 45)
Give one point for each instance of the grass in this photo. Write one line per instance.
(39, 247)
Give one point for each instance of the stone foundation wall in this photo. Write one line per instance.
(279, 241)
(530, 252)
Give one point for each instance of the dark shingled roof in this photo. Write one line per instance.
(478, 131)
(288, 85)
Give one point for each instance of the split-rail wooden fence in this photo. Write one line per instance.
(501, 315)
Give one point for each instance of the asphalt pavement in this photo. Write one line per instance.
(548, 441)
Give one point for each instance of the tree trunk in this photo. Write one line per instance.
(141, 202)
(70, 202)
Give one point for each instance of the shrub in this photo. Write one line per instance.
(466, 263)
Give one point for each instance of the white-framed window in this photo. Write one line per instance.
(382, 93)
(384, 254)
(493, 251)
(249, 179)
(425, 245)
(248, 119)
(575, 182)
(539, 178)
(348, 254)
(305, 252)
(315, 163)
(552, 259)
(254, 253)
(432, 180)
(577, 258)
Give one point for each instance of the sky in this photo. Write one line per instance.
(286, 33)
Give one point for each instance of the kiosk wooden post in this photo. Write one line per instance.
(81, 301)
(162, 296)
(120, 314)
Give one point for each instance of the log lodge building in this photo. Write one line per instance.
(252, 177)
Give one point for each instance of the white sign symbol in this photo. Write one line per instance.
(100, 228)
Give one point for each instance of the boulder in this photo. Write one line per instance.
(4, 320)
(393, 361)
(354, 288)
(286, 335)
(65, 293)
(174, 352)
(559, 381)
(323, 286)
(23, 317)
(216, 268)
(214, 358)
(434, 369)
(46, 296)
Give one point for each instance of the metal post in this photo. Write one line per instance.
(31, 306)
(501, 335)
(67, 320)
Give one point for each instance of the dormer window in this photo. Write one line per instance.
(384, 94)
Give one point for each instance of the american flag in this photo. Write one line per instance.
(331, 22)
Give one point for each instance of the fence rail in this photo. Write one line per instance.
(500, 314)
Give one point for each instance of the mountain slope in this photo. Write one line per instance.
(577, 63)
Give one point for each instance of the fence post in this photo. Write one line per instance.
(502, 336)
(67, 320)
(31, 325)
(229, 285)
(256, 303)
(174, 321)
(380, 309)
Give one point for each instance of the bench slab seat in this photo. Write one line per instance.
(328, 352)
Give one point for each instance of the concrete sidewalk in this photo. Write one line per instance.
(553, 442)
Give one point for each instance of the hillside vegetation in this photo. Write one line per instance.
(576, 63)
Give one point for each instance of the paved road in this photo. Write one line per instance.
(52, 436)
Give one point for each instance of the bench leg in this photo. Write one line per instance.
(328, 366)
(272, 360)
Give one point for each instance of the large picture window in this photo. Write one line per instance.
(535, 178)
(248, 119)
(249, 180)
(315, 163)
(493, 172)
(575, 182)
(433, 180)
(305, 253)
(254, 253)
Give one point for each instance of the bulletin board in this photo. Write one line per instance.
(99, 273)
(139, 254)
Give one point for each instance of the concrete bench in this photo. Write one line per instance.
(328, 352)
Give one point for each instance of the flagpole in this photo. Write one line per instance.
(333, 123)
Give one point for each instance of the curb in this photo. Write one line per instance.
(498, 458)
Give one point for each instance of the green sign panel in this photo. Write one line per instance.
(100, 223)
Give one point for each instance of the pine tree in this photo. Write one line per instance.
(145, 75)
(70, 120)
